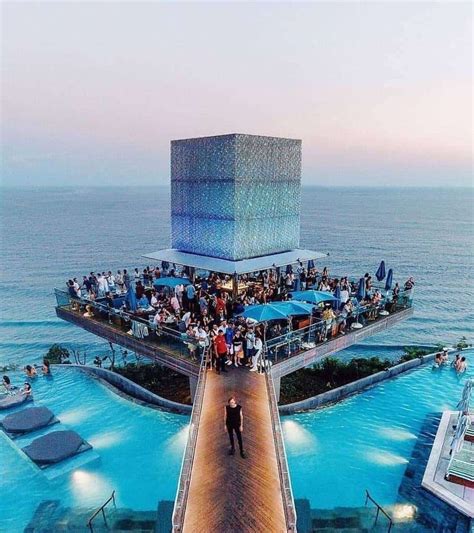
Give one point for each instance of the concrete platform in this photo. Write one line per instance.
(458, 496)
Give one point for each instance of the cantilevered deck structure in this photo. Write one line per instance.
(235, 211)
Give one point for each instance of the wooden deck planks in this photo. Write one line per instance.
(227, 493)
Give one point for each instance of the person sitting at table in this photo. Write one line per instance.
(144, 304)
(89, 312)
(154, 302)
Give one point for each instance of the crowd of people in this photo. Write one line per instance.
(31, 372)
(459, 362)
(208, 314)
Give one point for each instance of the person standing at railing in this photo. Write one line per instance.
(257, 354)
(126, 279)
(234, 423)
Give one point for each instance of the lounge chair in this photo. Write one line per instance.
(461, 468)
(27, 420)
(55, 447)
(469, 435)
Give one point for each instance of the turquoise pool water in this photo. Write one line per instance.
(140, 452)
(365, 441)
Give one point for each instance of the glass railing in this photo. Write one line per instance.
(159, 335)
(292, 342)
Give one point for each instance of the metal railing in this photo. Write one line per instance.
(380, 509)
(294, 341)
(101, 509)
(285, 480)
(279, 347)
(165, 336)
(182, 492)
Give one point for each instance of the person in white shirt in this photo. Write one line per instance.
(344, 296)
(203, 339)
(258, 347)
(102, 284)
(111, 281)
(77, 288)
(154, 300)
(186, 318)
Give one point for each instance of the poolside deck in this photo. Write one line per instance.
(458, 496)
(231, 494)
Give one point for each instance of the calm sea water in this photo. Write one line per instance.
(50, 235)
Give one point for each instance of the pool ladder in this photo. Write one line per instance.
(380, 509)
(101, 509)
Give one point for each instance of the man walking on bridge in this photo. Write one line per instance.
(234, 421)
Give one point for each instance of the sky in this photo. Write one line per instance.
(379, 92)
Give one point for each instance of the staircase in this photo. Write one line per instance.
(51, 516)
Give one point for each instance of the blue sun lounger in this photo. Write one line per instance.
(27, 421)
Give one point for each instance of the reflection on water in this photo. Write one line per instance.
(177, 442)
(299, 438)
(89, 487)
(382, 457)
(396, 434)
(107, 439)
(74, 416)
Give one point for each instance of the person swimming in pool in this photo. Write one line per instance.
(30, 371)
(461, 365)
(438, 361)
(46, 367)
(7, 383)
(26, 390)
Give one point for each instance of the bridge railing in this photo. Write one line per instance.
(285, 481)
(189, 453)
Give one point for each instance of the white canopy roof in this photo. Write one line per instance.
(225, 266)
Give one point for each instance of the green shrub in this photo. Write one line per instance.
(57, 354)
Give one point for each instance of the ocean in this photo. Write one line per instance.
(49, 235)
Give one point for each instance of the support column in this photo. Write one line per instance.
(235, 287)
(192, 385)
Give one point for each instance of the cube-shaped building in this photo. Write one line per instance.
(235, 196)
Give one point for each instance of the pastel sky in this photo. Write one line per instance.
(380, 93)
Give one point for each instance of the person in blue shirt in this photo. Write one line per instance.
(229, 340)
(143, 303)
(191, 294)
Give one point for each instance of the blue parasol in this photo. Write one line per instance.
(171, 282)
(131, 299)
(361, 289)
(294, 308)
(380, 274)
(314, 297)
(388, 281)
(263, 312)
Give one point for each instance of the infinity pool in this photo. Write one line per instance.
(365, 441)
(140, 452)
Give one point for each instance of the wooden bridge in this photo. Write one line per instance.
(226, 494)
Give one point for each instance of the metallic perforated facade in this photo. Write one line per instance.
(235, 196)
